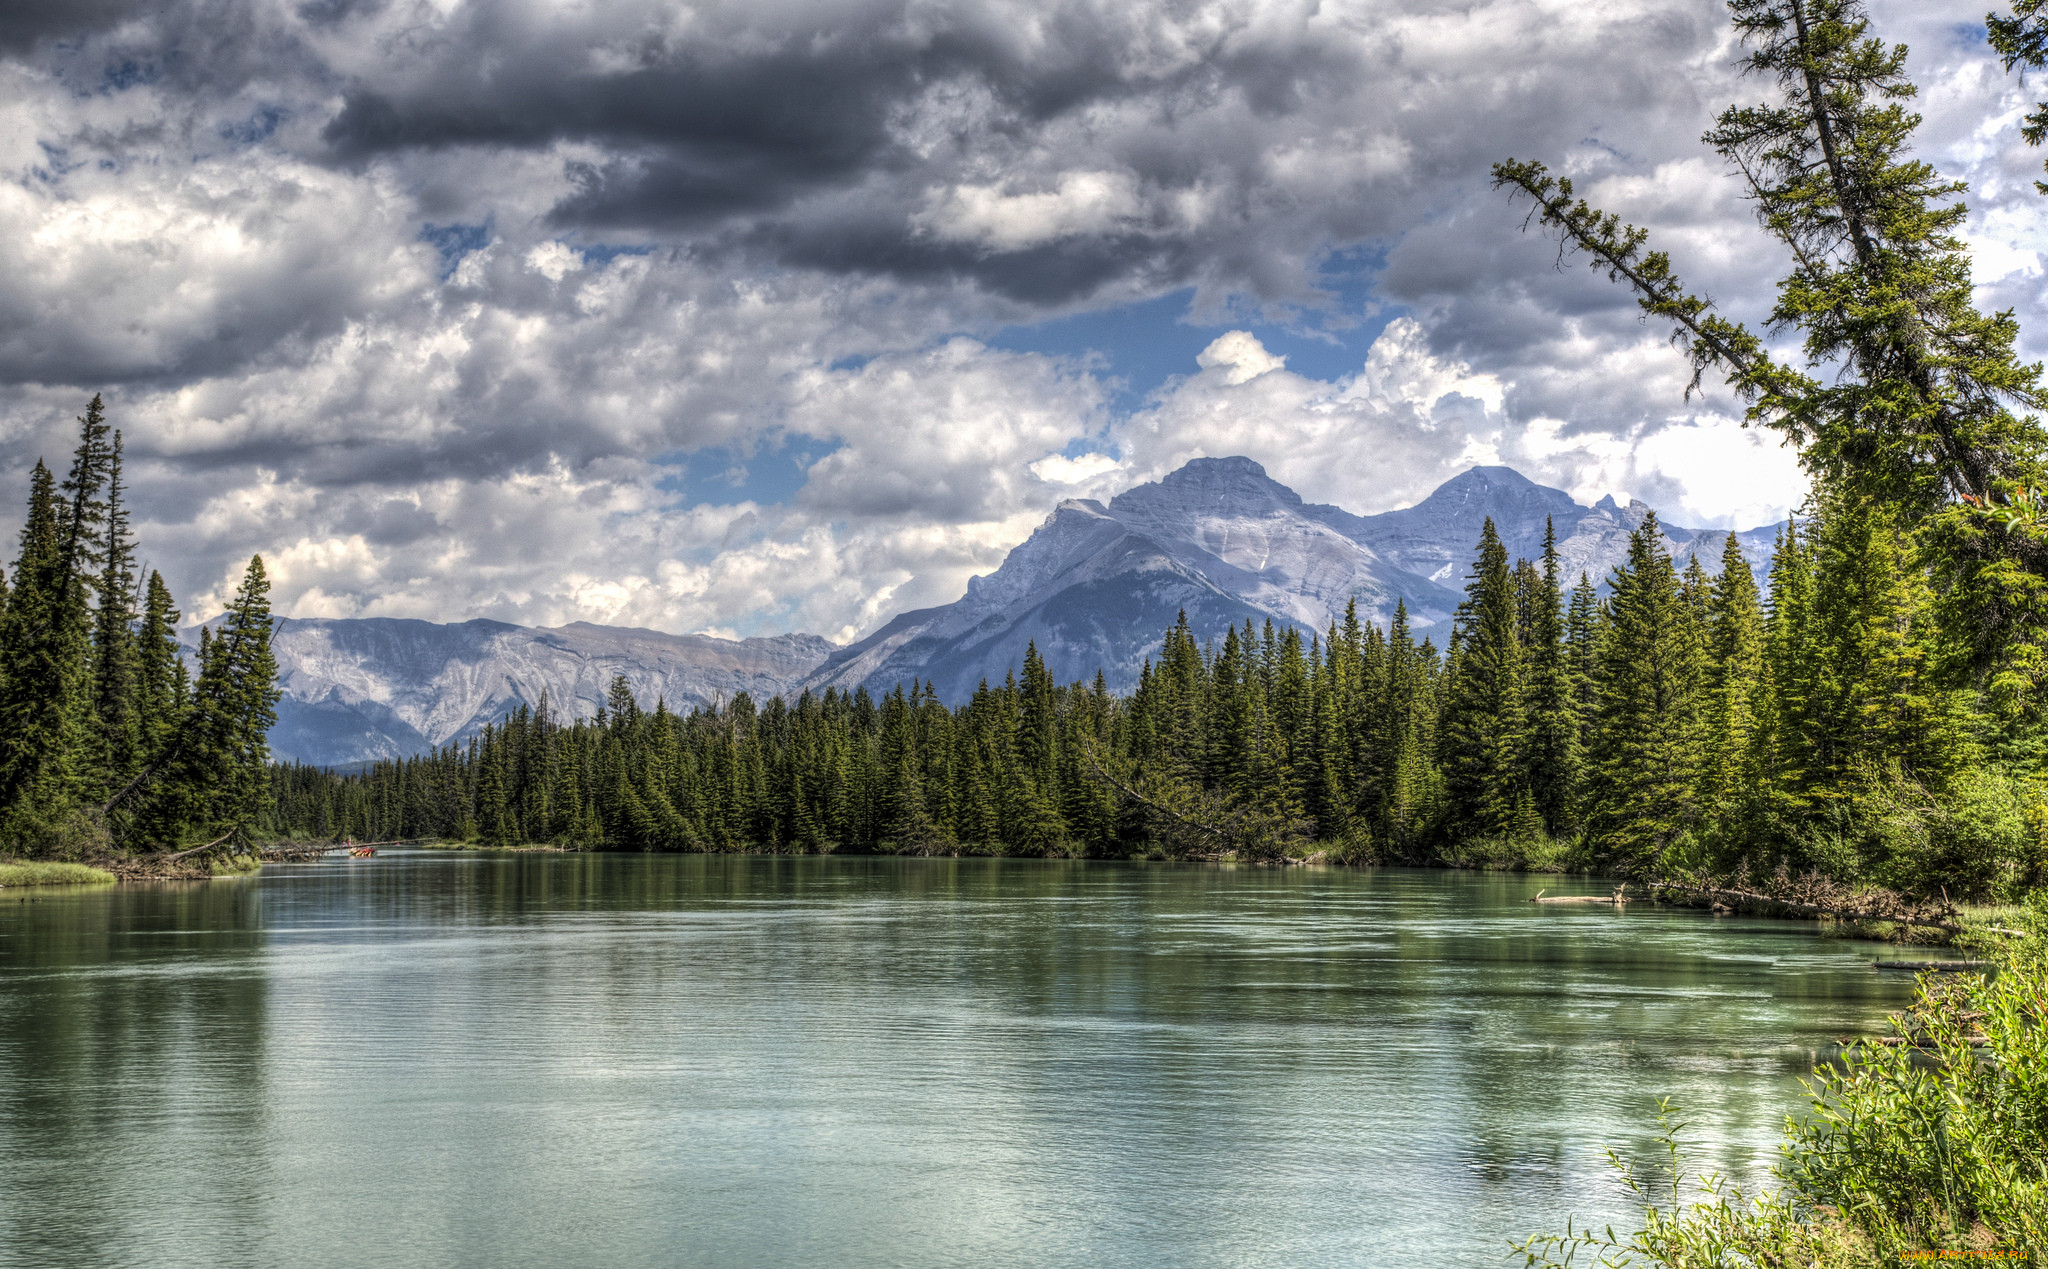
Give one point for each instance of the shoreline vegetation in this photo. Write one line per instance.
(115, 753)
(15, 874)
(1916, 422)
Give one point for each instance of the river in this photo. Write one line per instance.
(541, 1060)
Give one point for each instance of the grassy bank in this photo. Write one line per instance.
(49, 874)
(1925, 1144)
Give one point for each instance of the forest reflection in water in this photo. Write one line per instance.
(736, 1060)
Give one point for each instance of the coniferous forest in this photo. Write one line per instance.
(1872, 710)
(1674, 721)
(110, 743)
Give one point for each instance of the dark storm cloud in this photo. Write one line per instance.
(26, 23)
(1046, 275)
(742, 123)
(772, 124)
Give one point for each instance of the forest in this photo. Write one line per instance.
(1871, 711)
(112, 740)
(1668, 720)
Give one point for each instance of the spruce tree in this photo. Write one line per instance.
(1909, 397)
(1735, 632)
(118, 725)
(1484, 736)
(42, 647)
(1553, 749)
(1647, 758)
(162, 683)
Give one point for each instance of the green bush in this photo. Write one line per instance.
(69, 834)
(1528, 852)
(1936, 1142)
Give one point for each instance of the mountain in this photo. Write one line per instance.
(362, 689)
(1097, 585)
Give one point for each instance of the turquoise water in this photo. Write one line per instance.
(491, 1060)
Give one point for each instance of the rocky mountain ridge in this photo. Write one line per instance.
(1095, 587)
(355, 690)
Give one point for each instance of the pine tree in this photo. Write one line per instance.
(1554, 748)
(212, 775)
(1735, 632)
(1647, 759)
(115, 660)
(162, 684)
(42, 648)
(1484, 737)
(1908, 395)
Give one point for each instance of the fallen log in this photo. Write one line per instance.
(1618, 899)
(1934, 967)
(1828, 910)
(197, 850)
(312, 850)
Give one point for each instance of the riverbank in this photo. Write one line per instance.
(1523, 858)
(14, 875)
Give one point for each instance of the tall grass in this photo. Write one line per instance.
(1934, 1145)
(49, 874)
(1537, 852)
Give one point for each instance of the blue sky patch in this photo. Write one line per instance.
(1146, 343)
(455, 242)
(772, 474)
(599, 254)
(255, 128)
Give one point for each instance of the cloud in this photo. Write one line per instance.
(1081, 203)
(436, 302)
(1058, 469)
(1240, 357)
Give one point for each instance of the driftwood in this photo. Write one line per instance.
(1840, 912)
(1934, 967)
(197, 850)
(1618, 899)
(309, 850)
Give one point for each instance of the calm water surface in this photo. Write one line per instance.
(427, 1059)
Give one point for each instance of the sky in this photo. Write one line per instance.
(750, 316)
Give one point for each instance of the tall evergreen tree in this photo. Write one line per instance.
(1647, 759)
(1553, 749)
(1484, 737)
(1735, 634)
(41, 672)
(117, 730)
(1922, 418)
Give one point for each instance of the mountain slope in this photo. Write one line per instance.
(1095, 586)
(356, 690)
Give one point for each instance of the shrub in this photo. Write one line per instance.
(1935, 1142)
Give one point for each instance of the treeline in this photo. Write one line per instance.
(109, 744)
(1891, 710)
(1678, 721)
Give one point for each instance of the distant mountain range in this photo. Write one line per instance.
(377, 687)
(1097, 585)
(1094, 587)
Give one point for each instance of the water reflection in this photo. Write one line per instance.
(534, 1059)
(132, 1065)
